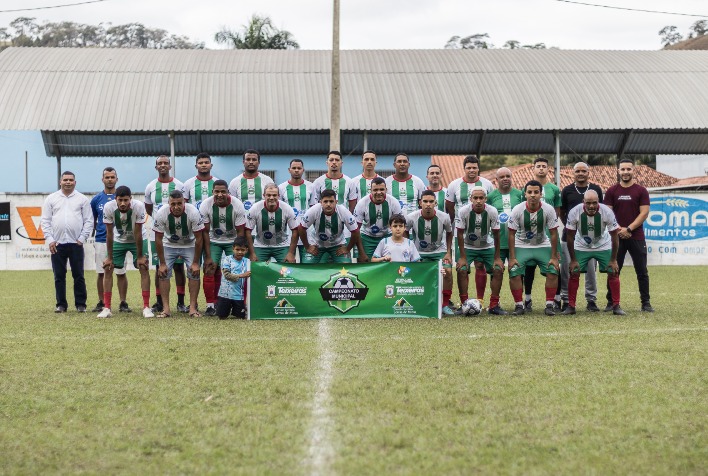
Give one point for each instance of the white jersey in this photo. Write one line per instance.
(478, 227)
(458, 191)
(404, 251)
(157, 193)
(429, 236)
(592, 232)
(223, 221)
(297, 196)
(366, 209)
(178, 231)
(327, 231)
(531, 226)
(196, 191)
(362, 185)
(271, 229)
(407, 192)
(124, 223)
(343, 186)
(249, 190)
(440, 197)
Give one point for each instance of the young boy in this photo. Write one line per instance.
(235, 269)
(396, 247)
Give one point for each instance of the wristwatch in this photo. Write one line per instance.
(628, 228)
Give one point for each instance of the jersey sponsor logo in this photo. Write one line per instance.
(297, 212)
(323, 236)
(423, 244)
(472, 237)
(587, 239)
(198, 204)
(375, 229)
(218, 231)
(504, 217)
(267, 235)
(174, 238)
(400, 202)
(247, 204)
(530, 235)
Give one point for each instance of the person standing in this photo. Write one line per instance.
(458, 191)
(250, 185)
(297, 192)
(630, 203)
(372, 214)
(200, 187)
(271, 228)
(109, 177)
(362, 182)
(571, 197)
(67, 222)
(335, 180)
(434, 176)
(404, 187)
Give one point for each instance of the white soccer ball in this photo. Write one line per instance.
(343, 282)
(471, 307)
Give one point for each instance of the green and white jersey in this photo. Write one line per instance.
(157, 193)
(124, 223)
(373, 218)
(429, 236)
(440, 197)
(504, 203)
(458, 191)
(327, 231)
(407, 192)
(196, 191)
(343, 186)
(249, 190)
(531, 227)
(551, 194)
(178, 231)
(223, 221)
(478, 227)
(592, 232)
(297, 196)
(362, 185)
(271, 229)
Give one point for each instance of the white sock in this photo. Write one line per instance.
(210, 304)
(528, 297)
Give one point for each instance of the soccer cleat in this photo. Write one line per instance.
(210, 311)
(106, 312)
(147, 312)
(608, 308)
(448, 311)
(646, 307)
(157, 307)
(528, 305)
(497, 311)
(557, 305)
(569, 310)
(81, 308)
(617, 311)
(592, 307)
(549, 310)
(124, 307)
(99, 307)
(519, 310)
(60, 309)
(182, 308)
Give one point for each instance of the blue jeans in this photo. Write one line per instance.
(74, 254)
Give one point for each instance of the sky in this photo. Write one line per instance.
(393, 24)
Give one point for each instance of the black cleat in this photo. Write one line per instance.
(569, 311)
(617, 311)
(60, 309)
(646, 307)
(210, 311)
(519, 310)
(183, 308)
(608, 308)
(592, 307)
(157, 307)
(497, 311)
(557, 305)
(124, 307)
(81, 308)
(99, 307)
(528, 305)
(549, 310)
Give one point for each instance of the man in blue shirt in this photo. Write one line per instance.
(109, 179)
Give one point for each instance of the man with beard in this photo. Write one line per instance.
(335, 180)
(109, 177)
(250, 185)
(404, 187)
(372, 214)
(434, 176)
(297, 193)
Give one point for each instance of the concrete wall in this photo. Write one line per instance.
(682, 166)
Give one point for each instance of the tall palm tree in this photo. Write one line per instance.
(259, 34)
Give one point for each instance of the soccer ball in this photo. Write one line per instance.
(343, 282)
(471, 307)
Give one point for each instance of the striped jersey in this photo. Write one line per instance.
(407, 192)
(271, 229)
(429, 236)
(592, 232)
(343, 186)
(531, 227)
(223, 221)
(362, 185)
(297, 196)
(458, 191)
(178, 231)
(373, 218)
(249, 190)
(196, 191)
(157, 193)
(504, 203)
(550, 193)
(327, 231)
(404, 251)
(230, 289)
(124, 223)
(440, 197)
(478, 227)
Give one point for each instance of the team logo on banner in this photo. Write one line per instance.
(283, 307)
(402, 306)
(343, 291)
(403, 271)
(390, 291)
(270, 293)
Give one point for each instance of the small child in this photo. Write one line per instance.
(396, 247)
(235, 269)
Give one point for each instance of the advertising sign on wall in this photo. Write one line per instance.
(677, 229)
(5, 225)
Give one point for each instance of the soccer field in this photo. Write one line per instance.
(590, 394)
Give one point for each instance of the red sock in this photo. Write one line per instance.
(209, 288)
(550, 294)
(146, 299)
(446, 296)
(614, 282)
(573, 284)
(157, 290)
(464, 297)
(180, 290)
(480, 280)
(493, 301)
(518, 296)
(107, 299)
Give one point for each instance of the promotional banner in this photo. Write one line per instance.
(376, 290)
(5, 226)
(676, 229)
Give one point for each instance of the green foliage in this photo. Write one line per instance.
(259, 34)
(480, 41)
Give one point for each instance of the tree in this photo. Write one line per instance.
(478, 41)
(670, 35)
(699, 28)
(259, 34)
(512, 45)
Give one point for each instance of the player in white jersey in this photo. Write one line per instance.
(404, 187)
(250, 185)
(271, 228)
(396, 247)
(297, 193)
(335, 180)
(224, 219)
(178, 234)
(434, 176)
(478, 234)
(362, 182)
(529, 245)
(458, 191)
(592, 233)
(431, 232)
(322, 231)
(199, 188)
(372, 214)
(157, 195)
(124, 219)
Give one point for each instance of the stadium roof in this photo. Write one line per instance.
(419, 101)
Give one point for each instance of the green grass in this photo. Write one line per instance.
(591, 393)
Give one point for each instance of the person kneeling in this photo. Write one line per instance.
(235, 269)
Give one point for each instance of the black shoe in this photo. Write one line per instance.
(81, 308)
(99, 307)
(608, 308)
(617, 311)
(564, 306)
(557, 305)
(646, 307)
(592, 307)
(182, 308)
(210, 311)
(549, 310)
(60, 309)
(519, 310)
(124, 307)
(157, 307)
(497, 311)
(528, 305)
(569, 311)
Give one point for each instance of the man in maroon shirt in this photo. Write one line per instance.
(630, 202)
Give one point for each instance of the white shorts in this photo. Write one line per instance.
(101, 253)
